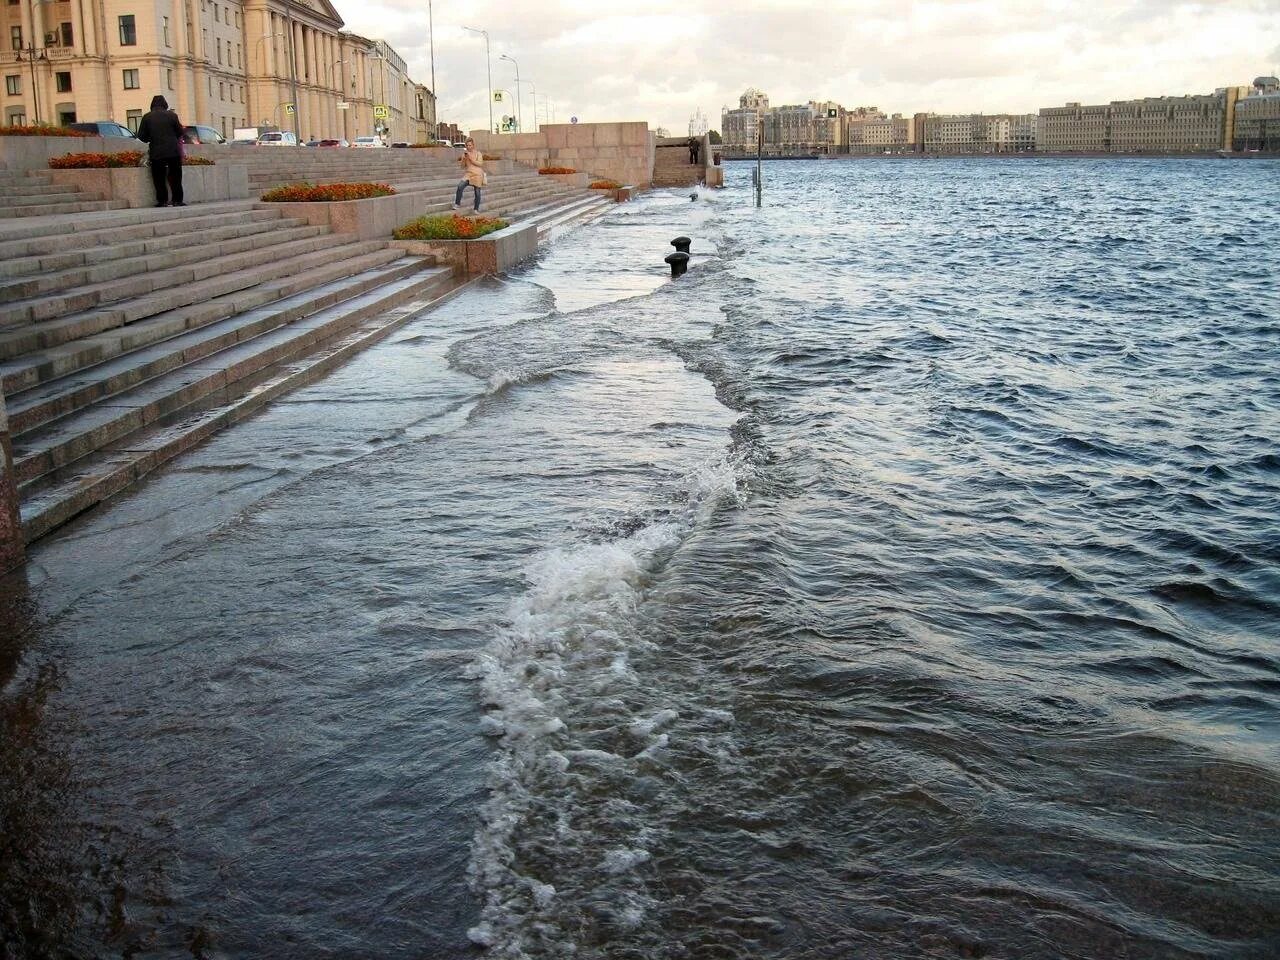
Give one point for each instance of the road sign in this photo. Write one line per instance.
(380, 111)
(573, 119)
(343, 105)
(497, 96)
(288, 110)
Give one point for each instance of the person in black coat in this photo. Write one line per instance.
(161, 130)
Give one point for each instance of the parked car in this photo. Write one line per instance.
(402, 144)
(368, 142)
(460, 143)
(198, 133)
(444, 143)
(278, 138)
(332, 142)
(104, 128)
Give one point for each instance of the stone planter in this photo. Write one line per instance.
(496, 252)
(371, 219)
(133, 184)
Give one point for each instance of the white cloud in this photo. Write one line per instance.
(666, 58)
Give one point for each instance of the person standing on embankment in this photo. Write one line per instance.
(161, 131)
(472, 161)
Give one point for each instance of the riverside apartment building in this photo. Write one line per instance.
(219, 63)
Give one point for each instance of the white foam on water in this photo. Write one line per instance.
(556, 681)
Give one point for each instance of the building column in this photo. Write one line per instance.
(12, 544)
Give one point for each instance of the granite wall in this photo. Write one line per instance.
(618, 151)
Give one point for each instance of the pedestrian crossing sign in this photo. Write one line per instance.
(288, 109)
(380, 111)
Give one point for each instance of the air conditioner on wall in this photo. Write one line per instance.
(50, 39)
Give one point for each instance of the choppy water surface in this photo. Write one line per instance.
(904, 582)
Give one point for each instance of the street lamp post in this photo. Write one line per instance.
(534, 92)
(336, 82)
(293, 76)
(258, 46)
(30, 51)
(519, 112)
(488, 66)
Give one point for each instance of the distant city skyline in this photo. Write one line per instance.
(674, 58)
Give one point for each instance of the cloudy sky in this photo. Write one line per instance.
(667, 59)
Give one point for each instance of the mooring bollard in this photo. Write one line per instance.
(679, 262)
(681, 244)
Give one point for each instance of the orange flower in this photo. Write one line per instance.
(327, 192)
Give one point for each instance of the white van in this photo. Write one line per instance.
(368, 142)
(278, 138)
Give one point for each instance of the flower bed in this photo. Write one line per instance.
(41, 130)
(197, 162)
(605, 184)
(327, 192)
(448, 226)
(96, 161)
(548, 171)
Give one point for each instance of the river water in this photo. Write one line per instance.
(903, 582)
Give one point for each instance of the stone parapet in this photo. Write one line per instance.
(619, 151)
(133, 186)
(34, 153)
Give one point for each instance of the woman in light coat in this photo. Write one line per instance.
(473, 174)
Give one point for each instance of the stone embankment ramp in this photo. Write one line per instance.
(671, 166)
(128, 336)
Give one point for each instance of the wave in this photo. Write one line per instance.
(573, 739)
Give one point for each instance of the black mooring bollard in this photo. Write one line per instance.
(679, 263)
(681, 244)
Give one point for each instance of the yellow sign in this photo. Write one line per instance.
(288, 109)
(380, 111)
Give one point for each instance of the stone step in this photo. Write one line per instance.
(98, 233)
(29, 188)
(571, 214)
(83, 340)
(267, 367)
(143, 239)
(178, 338)
(57, 443)
(42, 199)
(21, 320)
(54, 226)
(48, 209)
(175, 253)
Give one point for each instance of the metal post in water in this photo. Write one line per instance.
(759, 159)
(681, 244)
(679, 263)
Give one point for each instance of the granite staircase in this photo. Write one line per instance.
(671, 167)
(129, 336)
(34, 194)
(133, 338)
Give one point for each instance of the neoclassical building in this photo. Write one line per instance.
(222, 63)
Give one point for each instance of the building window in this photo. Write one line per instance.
(222, 91)
(204, 44)
(166, 33)
(63, 80)
(132, 118)
(128, 31)
(68, 38)
(131, 79)
(219, 43)
(15, 37)
(13, 84)
(168, 79)
(237, 19)
(66, 117)
(239, 63)
(17, 119)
